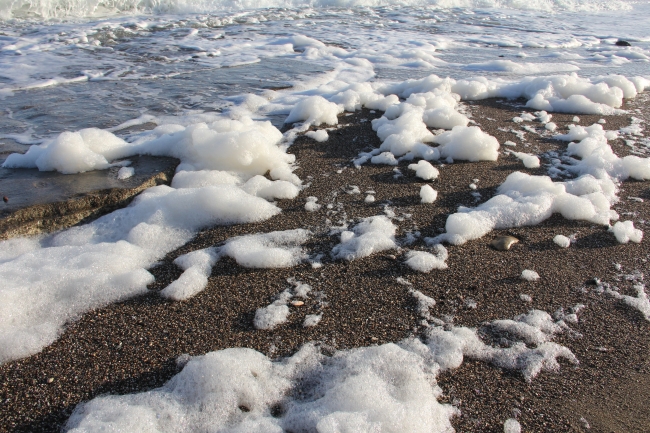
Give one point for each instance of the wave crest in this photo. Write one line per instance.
(46, 9)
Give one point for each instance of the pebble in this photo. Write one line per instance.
(503, 243)
(50, 380)
(5, 199)
(297, 303)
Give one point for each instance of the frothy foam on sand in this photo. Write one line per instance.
(233, 165)
(391, 387)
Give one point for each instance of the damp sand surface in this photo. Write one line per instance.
(133, 345)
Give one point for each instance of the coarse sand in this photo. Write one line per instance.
(132, 346)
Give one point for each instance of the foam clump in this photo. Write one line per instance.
(424, 170)
(371, 235)
(311, 205)
(125, 173)
(530, 161)
(270, 189)
(315, 110)
(201, 178)
(389, 388)
(279, 249)
(625, 232)
(428, 194)
(524, 199)
(562, 241)
(467, 143)
(423, 261)
(511, 426)
(256, 185)
(197, 267)
(597, 157)
(384, 158)
(271, 316)
(529, 275)
(244, 147)
(105, 261)
(320, 135)
(641, 302)
(451, 346)
(73, 152)
(444, 118)
(424, 303)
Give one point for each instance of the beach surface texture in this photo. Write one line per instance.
(413, 217)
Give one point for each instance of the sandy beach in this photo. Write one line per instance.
(133, 346)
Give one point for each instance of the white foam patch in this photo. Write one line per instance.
(311, 205)
(270, 189)
(320, 135)
(511, 426)
(243, 146)
(456, 343)
(598, 158)
(125, 173)
(424, 170)
(200, 178)
(371, 235)
(423, 261)
(528, 200)
(197, 267)
(105, 261)
(467, 143)
(389, 388)
(384, 158)
(530, 161)
(315, 110)
(424, 303)
(428, 194)
(625, 232)
(73, 152)
(271, 316)
(281, 249)
(521, 67)
(640, 302)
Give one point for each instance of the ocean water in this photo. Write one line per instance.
(87, 84)
(75, 64)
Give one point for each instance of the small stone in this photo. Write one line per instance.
(5, 199)
(622, 43)
(297, 303)
(50, 380)
(503, 243)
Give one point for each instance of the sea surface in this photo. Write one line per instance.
(67, 65)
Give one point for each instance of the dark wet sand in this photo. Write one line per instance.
(132, 346)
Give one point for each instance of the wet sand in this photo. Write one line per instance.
(132, 346)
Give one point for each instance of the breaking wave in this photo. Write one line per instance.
(47, 9)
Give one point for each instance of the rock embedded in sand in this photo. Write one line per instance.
(503, 243)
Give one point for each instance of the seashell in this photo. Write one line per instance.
(503, 243)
